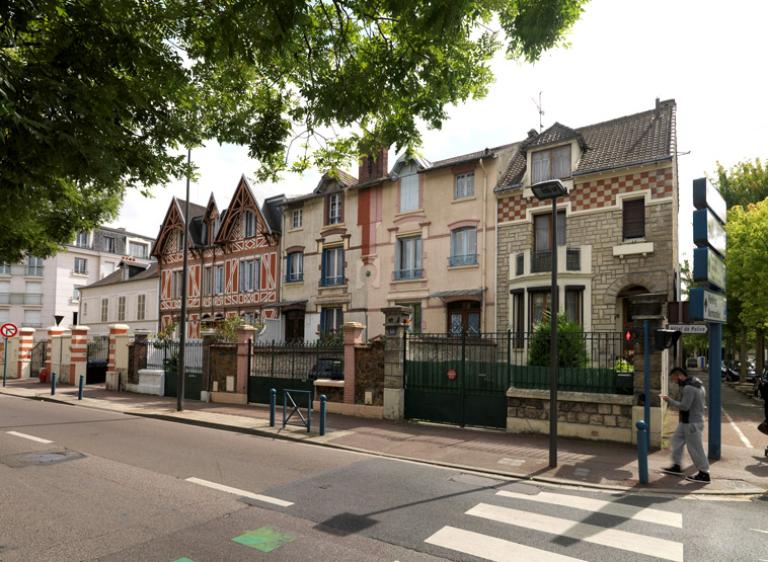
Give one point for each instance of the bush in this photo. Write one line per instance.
(571, 349)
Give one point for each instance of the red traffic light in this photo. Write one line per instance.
(628, 336)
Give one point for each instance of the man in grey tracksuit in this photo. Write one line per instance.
(690, 429)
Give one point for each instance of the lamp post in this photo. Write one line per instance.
(552, 189)
(183, 320)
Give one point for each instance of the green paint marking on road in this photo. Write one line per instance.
(184, 559)
(264, 539)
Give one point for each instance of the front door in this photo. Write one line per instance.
(294, 325)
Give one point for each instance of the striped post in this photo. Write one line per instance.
(26, 343)
(78, 353)
(116, 332)
(54, 333)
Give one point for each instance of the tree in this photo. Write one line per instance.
(571, 348)
(744, 183)
(97, 96)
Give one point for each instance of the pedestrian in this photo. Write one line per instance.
(690, 429)
(762, 390)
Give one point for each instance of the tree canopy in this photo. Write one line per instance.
(97, 96)
(744, 183)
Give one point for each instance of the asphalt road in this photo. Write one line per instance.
(115, 487)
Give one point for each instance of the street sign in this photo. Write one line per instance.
(707, 305)
(688, 328)
(8, 330)
(708, 230)
(708, 267)
(706, 195)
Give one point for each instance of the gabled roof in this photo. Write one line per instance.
(175, 208)
(243, 192)
(118, 276)
(485, 153)
(341, 177)
(632, 140)
(272, 209)
(404, 159)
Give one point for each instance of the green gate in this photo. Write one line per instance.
(457, 379)
(164, 354)
(292, 366)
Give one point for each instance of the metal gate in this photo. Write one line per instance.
(164, 354)
(38, 358)
(96, 366)
(292, 366)
(457, 379)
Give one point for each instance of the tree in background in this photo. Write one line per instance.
(696, 343)
(97, 96)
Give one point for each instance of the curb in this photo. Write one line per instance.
(455, 466)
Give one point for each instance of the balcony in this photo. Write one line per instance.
(459, 260)
(294, 277)
(332, 281)
(21, 298)
(573, 259)
(408, 274)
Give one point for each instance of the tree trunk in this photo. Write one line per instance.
(759, 352)
(743, 355)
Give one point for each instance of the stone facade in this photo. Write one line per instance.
(369, 369)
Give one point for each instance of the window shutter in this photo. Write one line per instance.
(340, 264)
(341, 206)
(634, 219)
(326, 209)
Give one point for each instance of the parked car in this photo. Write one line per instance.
(327, 368)
(762, 380)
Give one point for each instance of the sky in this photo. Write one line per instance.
(707, 55)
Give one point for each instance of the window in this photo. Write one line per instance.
(333, 266)
(5, 287)
(104, 309)
(32, 318)
(109, 244)
(249, 276)
(634, 219)
(573, 304)
(297, 217)
(249, 224)
(176, 285)
(207, 280)
(414, 326)
(464, 317)
(121, 309)
(34, 266)
(85, 311)
(294, 267)
(82, 240)
(137, 250)
(331, 320)
(219, 280)
(179, 240)
(5, 268)
(141, 307)
(409, 189)
(542, 240)
(408, 258)
(518, 318)
(76, 293)
(463, 246)
(5, 315)
(81, 266)
(335, 212)
(551, 164)
(539, 307)
(464, 186)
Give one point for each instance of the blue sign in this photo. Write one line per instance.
(708, 231)
(707, 305)
(709, 268)
(706, 196)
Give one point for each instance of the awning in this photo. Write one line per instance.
(472, 294)
(297, 305)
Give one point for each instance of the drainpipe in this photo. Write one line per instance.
(484, 223)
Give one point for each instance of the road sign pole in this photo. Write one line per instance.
(647, 383)
(5, 359)
(715, 360)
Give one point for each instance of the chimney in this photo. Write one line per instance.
(373, 167)
(532, 133)
(658, 107)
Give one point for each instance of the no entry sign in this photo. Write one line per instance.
(8, 330)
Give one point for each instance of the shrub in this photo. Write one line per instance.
(571, 350)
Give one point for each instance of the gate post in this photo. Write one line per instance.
(244, 333)
(52, 350)
(395, 320)
(26, 343)
(353, 335)
(78, 353)
(117, 355)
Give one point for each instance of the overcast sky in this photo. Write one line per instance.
(710, 56)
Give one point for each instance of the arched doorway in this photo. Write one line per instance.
(623, 308)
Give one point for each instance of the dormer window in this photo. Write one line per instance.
(249, 224)
(554, 163)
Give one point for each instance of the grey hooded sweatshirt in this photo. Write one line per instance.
(693, 402)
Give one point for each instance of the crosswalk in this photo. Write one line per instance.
(579, 520)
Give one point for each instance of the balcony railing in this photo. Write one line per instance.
(294, 277)
(408, 274)
(465, 259)
(541, 261)
(21, 298)
(331, 281)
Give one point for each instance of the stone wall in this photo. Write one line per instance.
(369, 372)
(222, 362)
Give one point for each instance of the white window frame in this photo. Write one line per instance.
(409, 190)
(464, 246)
(82, 239)
(297, 218)
(546, 166)
(106, 240)
(104, 310)
(464, 185)
(294, 270)
(334, 208)
(121, 308)
(249, 275)
(132, 246)
(218, 280)
(81, 270)
(249, 224)
(76, 293)
(208, 280)
(141, 307)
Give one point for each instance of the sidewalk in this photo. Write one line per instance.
(583, 463)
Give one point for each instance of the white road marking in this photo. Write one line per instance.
(759, 531)
(30, 437)
(637, 513)
(239, 492)
(491, 548)
(632, 542)
(737, 430)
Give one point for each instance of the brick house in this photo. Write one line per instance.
(617, 228)
(233, 270)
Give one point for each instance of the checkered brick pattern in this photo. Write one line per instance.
(594, 194)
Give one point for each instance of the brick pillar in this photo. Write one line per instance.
(395, 320)
(78, 353)
(244, 333)
(26, 343)
(117, 358)
(353, 335)
(209, 338)
(53, 334)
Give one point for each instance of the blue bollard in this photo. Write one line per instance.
(53, 384)
(80, 387)
(323, 400)
(272, 406)
(642, 451)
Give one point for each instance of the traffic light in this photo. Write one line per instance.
(632, 337)
(666, 338)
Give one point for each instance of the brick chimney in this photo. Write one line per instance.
(373, 167)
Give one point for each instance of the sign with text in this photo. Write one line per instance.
(688, 328)
(707, 305)
(706, 196)
(708, 267)
(708, 231)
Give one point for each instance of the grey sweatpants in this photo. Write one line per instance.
(691, 436)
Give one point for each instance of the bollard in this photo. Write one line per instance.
(53, 384)
(80, 387)
(323, 400)
(272, 406)
(642, 451)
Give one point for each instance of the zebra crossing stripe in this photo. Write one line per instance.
(636, 513)
(492, 548)
(632, 542)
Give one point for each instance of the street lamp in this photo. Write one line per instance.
(183, 322)
(552, 189)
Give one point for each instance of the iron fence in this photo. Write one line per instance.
(161, 353)
(298, 360)
(98, 349)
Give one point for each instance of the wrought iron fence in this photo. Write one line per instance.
(98, 349)
(162, 353)
(298, 360)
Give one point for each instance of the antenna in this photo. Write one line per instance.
(541, 111)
